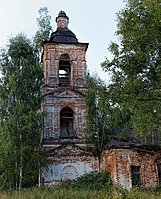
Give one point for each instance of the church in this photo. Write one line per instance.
(64, 105)
(64, 135)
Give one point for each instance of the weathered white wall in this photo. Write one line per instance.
(66, 171)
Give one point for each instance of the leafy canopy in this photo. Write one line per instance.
(20, 101)
(20, 118)
(44, 28)
(136, 64)
(104, 115)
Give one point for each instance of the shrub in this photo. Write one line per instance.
(93, 180)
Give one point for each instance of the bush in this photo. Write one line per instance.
(93, 181)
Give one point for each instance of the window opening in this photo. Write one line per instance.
(135, 173)
(159, 173)
(64, 70)
(66, 124)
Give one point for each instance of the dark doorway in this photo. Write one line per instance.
(66, 123)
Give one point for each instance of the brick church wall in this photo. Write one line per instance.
(76, 52)
(119, 161)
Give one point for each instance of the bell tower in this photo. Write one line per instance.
(64, 62)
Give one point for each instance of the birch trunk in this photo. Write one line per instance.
(21, 165)
(39, 180)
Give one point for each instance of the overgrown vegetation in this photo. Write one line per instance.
(21, 120)
(44, 29)
(93, 181)
(132, 99)
(104, 115)
(63, 193)
(136, 65)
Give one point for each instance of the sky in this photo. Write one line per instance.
(93, 22)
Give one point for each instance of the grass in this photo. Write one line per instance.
(95, 185)
(50, 193)
(62, 193)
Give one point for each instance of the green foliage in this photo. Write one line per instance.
(103, 114)
(94, 181)
(97, 114)
(44, 28)
(136, 64)
(20, 116)
(20, 101)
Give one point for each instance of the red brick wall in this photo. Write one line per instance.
(76, 52)
(54, 102)
(119, 161)
(53, 106)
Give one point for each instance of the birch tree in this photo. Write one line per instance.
(20, 117)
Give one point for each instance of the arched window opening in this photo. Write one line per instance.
(66, 123)
(64, 70)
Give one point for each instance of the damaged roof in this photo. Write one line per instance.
(114, 143)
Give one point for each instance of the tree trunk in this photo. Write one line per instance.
(21, 165)
(39, 179)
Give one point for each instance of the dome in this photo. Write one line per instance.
(63, 34)
(61, 14)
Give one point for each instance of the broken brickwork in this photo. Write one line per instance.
(51, 58)
(121, 161)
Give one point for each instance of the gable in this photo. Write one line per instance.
(71, 149)
(66, 93)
